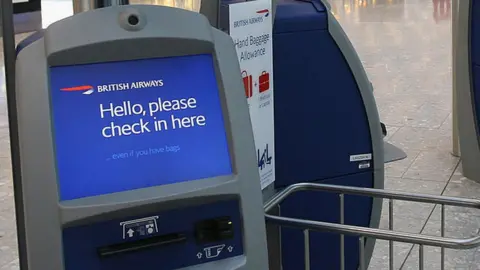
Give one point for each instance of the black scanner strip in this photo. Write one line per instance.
(152, 242)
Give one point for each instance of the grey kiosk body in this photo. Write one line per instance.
(308, 30)
(214, 222)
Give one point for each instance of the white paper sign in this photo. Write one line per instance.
(251, 30)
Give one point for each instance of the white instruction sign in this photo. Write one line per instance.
(251, 30)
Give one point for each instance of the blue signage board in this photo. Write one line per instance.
(121, 126)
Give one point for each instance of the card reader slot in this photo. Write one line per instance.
(152, 242)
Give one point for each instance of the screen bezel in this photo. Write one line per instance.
(226, 123)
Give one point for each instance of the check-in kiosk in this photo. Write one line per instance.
(327, 130)
(135, 144)
(466, 81)
(322, 87)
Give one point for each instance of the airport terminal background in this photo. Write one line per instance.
(405, 46)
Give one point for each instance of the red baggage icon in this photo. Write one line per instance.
(248, 84)
(264, 82)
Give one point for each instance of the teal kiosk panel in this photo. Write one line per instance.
(136, 145)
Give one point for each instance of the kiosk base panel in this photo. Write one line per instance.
(161, 240)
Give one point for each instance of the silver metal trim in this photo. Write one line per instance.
(366, 232)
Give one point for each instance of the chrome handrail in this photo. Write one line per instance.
(367, 232)
(371, 192)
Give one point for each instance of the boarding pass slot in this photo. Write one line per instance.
(148, 243)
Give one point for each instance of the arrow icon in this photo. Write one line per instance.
(214, 251)
(230, 249)
(141, 226)
(199, 255)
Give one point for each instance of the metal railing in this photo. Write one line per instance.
(366, 232)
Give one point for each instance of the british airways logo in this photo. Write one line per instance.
(86, 89)
(264, 12)
(89, 89)
(258, 18)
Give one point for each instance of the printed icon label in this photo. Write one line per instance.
(230, 249)
(364, 165)
(139, 227)
(213, 251)
(264, 82)
(248, 84)
(360, 157)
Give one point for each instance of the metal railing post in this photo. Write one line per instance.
(9, 57)
(455, 139)
(86, 5)
(83, 5)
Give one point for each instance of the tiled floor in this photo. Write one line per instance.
(406, 49)
(405, 46)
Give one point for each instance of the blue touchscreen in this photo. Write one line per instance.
(121, 126)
